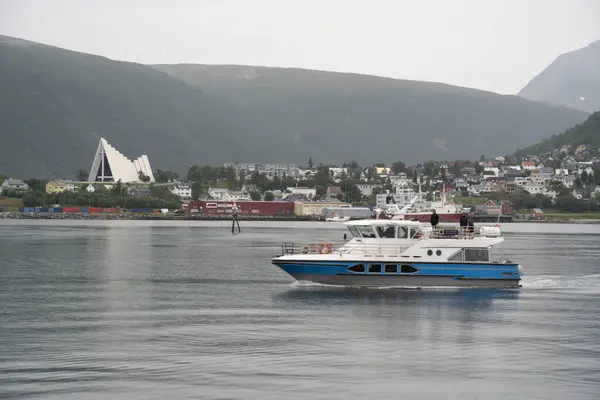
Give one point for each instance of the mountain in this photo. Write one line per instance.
(56, 104)
(586, 133)
(336, 117)
(572, 80)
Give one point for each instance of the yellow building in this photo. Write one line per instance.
(60, 186)
(315, 207)
(383, 170)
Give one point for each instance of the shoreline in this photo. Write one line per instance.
(209, 217)
(152, 217)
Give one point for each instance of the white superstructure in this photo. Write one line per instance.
(110, 165)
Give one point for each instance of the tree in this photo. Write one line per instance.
(569, 203)
(311, 164)
(2, 178)
(242, 178)
(255, 196)
(117, 190)
(443, 175)
(194, 174)
(398, 167)
(429, 168)
(81, 175)
(584, 176)
(353, 193)
(37, 184)
(478, 168)
(165, 176)
(31, 200)
(577, 183)
(143, 177)
(197, 189)
(597, 173)
(269, 196)
(482, 158)
(231, 177)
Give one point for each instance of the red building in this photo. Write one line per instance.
(491, 207)
(244, 207)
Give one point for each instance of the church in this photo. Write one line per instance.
(111, 166)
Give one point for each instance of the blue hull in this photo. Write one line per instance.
(425, 274)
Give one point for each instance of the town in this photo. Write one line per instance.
(562, 180)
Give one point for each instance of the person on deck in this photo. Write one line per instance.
(470, 225)
(464, 223)
(435, 219)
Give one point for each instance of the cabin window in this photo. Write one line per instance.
(374, 268)
(386, 232)
(415, 233)
(366, 231)
(354, 231)
(477, 255)
(390, 268)
(408, 269)
(458, 257)
(357, 268)
(402, 232)
(438, 252)
(429, 252)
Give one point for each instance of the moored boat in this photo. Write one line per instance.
(405, 254)
(337, 218)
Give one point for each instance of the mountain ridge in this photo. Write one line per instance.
(421, 106)
(571, 80)
(58, 103)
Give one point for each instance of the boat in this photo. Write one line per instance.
(337, 218)
(419, 209)
(402, 253)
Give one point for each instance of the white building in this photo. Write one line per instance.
(494, 170)
(218, 193)
(182, 190)
(110, 165)
(237, 196)
(533, 188)
(337, 173)
(14, 184)
(366, 189)
(305, 191)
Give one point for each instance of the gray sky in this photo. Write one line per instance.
(496, 45)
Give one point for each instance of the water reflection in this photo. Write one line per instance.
(471, 299)
(430, 312)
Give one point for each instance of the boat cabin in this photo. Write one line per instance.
(404, 229)
(385, 229)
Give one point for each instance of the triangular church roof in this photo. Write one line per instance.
(110, 165)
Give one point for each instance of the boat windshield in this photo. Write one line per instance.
(386, 231)
(415, 233)
(402, 232)
(366, 231)
(354, 231)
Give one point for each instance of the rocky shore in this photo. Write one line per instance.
(152, 217)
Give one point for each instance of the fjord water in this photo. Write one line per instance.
(154, 310)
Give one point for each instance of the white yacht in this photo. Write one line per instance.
(405, 254)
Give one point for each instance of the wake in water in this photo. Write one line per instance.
(539, 282)
(561, 282)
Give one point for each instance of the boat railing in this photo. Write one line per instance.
(457, 232)
(343, 248)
